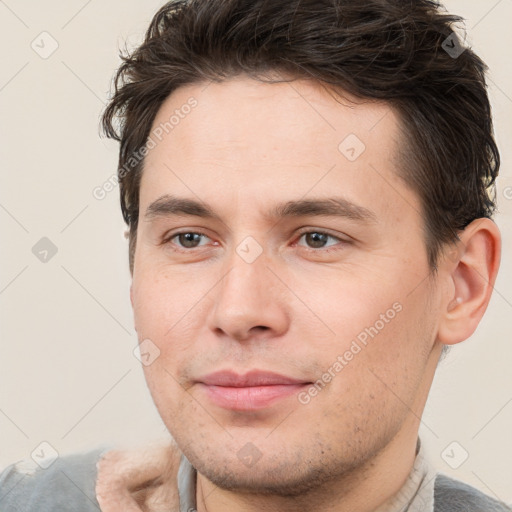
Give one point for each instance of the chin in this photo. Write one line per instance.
(263, 483)
(270, 476)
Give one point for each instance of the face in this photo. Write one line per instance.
(301, 275)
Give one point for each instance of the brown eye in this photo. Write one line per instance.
(188, 240)
(318, 239)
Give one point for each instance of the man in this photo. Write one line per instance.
(308, 230)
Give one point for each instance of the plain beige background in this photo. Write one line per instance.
(67, 370)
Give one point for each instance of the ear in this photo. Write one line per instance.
(471, 273)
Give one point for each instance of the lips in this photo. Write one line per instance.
(252, 391)
(250, 379)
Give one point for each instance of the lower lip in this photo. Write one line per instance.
(250, 398)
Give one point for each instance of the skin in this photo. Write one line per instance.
(244, 148)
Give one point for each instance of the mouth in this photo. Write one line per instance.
(252, 391)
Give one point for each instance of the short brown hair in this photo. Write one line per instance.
(397, 51)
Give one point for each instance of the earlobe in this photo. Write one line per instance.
(471, 279)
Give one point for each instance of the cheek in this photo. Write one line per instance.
(165, 304)
(169, 314)
(382, 340)
(356, 312)
(171, 399)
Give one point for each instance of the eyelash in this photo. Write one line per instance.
(168, 239)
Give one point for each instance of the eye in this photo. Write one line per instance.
(187, 239)
(313, 240)
(318, 239)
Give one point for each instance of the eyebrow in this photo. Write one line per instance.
(169, 205)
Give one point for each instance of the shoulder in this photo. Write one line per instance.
(67, 484)
(451, 495)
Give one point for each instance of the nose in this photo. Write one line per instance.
(250, 302)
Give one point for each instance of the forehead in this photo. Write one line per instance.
(300, 118)
(247, 140)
